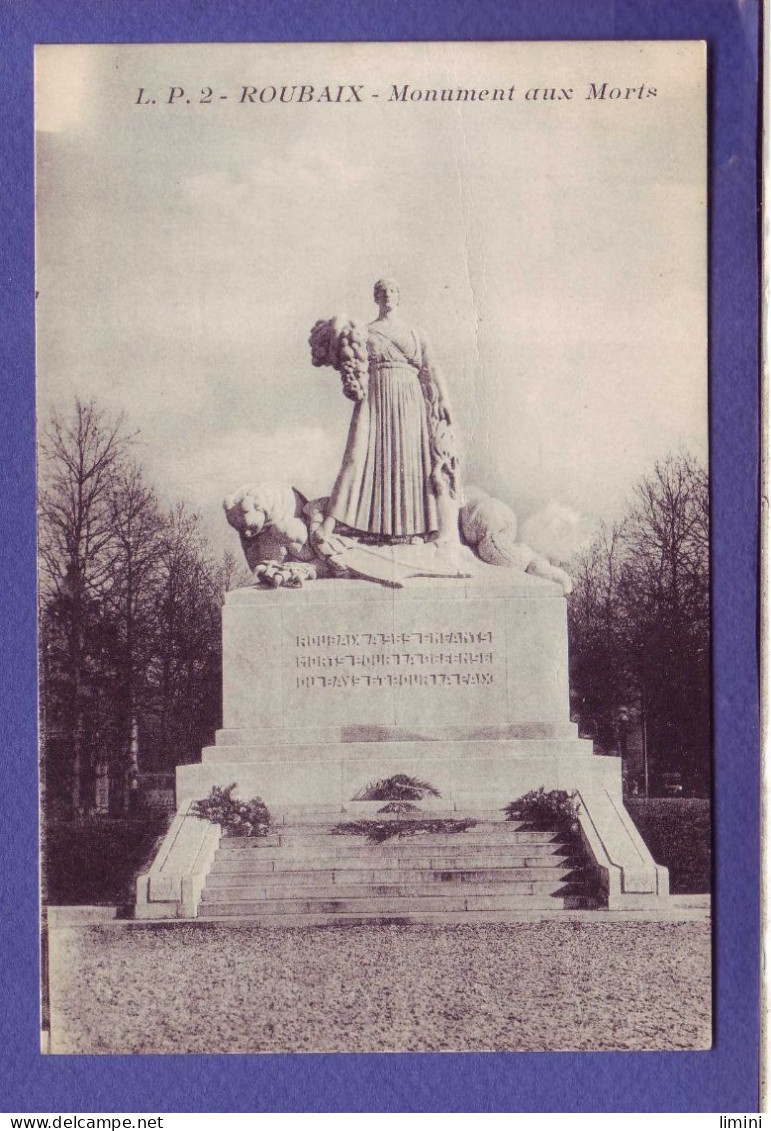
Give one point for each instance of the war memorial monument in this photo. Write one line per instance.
(396, 626)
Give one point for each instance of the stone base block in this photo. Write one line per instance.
(463, 683)
(470, 779)
(172, 888)
(490, 651)
(470, 776)
(626, 872)
(467, 773)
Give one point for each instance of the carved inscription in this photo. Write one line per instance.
(348, 660)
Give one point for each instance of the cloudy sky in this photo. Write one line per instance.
(553, 251)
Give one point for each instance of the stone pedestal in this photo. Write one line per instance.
(474, 652)
(463, 683)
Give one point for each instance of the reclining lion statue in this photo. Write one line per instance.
(277, 527)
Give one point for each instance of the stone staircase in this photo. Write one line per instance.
(303, 873)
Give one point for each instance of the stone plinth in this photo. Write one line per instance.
(328, 686)
(487, 651)
(462, 682)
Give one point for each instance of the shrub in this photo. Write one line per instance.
(97, 859)
(379, 831)
(678, 833)
(235, 818)
(399, 787)
(400, 807)
(555, 808)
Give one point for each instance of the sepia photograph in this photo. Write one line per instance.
(373, 547)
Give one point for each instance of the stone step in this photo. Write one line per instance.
(332, 846)
(318, 828)
(311, 877)
(404, 890)
(394, 905)
(438, 864)
(295, 833)
(485, 834)
(367, 810)
(433, 858)
(486, 855)
(303, 872)
(497, 830)
(534, 912)
(413, 872)
(349, 872)
(348, 862)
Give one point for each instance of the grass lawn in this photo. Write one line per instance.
(678, 832)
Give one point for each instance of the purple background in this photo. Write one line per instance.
(724, 1079)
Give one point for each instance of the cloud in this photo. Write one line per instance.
(557, 531)
(247, 190)
(306, 457)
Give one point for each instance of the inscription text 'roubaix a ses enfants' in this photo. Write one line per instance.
(346, 655)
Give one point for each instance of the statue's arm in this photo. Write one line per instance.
(433, 381)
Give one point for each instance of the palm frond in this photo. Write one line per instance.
(380, 831)
(399, 787)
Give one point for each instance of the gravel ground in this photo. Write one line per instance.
(242, 988)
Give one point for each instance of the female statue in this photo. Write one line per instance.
(398, 482)
(398, 479)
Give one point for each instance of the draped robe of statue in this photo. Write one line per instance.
(384, 489)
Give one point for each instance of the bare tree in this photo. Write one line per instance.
(639, 621)
(230, 573)
(187, 644)
(599, 675)
(666, 598)
(80, 457)
(130, 615)
(138, 525)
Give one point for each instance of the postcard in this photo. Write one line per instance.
(374, 547)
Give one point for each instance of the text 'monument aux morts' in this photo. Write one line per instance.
(358, 93)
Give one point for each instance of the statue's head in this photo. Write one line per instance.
(387, 294)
